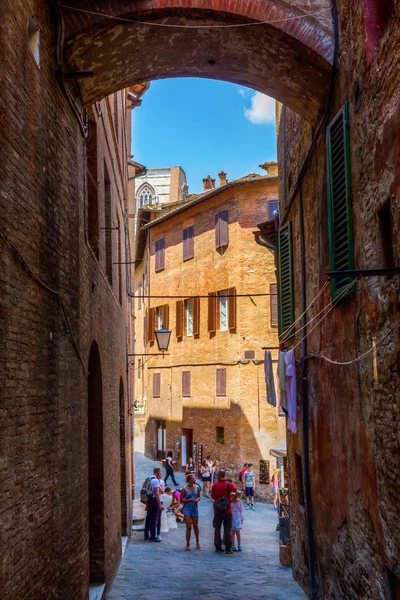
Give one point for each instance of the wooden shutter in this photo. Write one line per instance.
(212, 309)
(156, 385)
(196, 316)
(273, 304)
(157, 257)
(188, 243)
(151, 324)
(186, 383)
(285, 277)
(145, 328)
(221, 382)
(221, 229)
(179, 319)
(340, 213)
(232, 308)
(217, 236)
(160, 255)
(273, 205)
(165, 316)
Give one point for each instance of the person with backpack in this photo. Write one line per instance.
(169, 468)
(150, 495)
(221, 493)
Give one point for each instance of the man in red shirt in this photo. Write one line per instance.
(220, 489)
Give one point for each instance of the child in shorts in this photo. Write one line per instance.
(237, 521)
(249, 485)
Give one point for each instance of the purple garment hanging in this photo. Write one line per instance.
(291, 390)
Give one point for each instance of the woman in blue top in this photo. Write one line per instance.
(190, 497)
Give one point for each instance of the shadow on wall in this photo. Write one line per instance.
(223, 433)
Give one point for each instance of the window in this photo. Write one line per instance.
(108, 224)
(139, 292)
(189, 317)
(158, 319)
(188, 243)
(156, 385)
(273, 304)
(223, 310)
(160, 255)
(220, 435)
(146, 197)
(92, 190)
(221, 382)
(186, 383)
(340, 212)
(34, 38)
(285, 278)
(221, 230)
(273, 205)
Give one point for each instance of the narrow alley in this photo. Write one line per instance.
(166, 571)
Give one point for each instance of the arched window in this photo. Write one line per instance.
(146, 196)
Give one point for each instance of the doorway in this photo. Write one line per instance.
(161, 439)
(96, 468)
(187, 446)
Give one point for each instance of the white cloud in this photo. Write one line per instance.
(262, 109)
(242, 92)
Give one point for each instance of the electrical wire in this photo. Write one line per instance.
(49, 289)
(176, 26)
(287, 333)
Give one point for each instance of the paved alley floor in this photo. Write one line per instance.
(166, 571)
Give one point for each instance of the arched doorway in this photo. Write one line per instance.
(122, 436)
(96, 468)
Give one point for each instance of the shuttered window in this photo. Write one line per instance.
(186, 383)
(189, 317)
(162, 317)
(221, 382)
(221, 229)
(188, 243)
(151, 324)
(231, 308)
(273, 299)
(273, 205)
(285, 277)
(156, 385)
(212, 306)
(340, 214)
(160, 255)
(196, 316)
(223, 310)
(179, 319)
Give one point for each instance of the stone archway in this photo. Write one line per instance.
(96, 468)
(287, 55)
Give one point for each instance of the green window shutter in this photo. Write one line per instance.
(340, 214)
(285, 278)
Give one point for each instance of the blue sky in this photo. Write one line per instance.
(204, 126)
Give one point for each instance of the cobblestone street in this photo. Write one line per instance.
(167, 571)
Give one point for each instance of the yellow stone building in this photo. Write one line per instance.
(201, 274)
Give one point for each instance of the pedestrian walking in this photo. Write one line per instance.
(206, 478)
(214, 472)
(275, 487)
(237, 521)
(190, 497)
(169, 468)
(154, 506)
(221, 493)
(249, 486)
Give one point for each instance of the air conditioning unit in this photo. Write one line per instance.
(249, 354)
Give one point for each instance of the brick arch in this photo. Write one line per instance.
(289, 60)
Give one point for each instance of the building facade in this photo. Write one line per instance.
(339, 212)
(155, 187)
(199, 267)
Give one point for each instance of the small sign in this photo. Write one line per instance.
(264, 471)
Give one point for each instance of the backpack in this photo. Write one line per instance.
(222, 504)
(146, 492)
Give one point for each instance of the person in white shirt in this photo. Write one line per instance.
(154, 506)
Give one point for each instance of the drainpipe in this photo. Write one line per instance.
(306, 417)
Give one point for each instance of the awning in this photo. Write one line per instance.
(280, 450)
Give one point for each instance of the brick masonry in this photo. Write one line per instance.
(44, 406)
(354, 413)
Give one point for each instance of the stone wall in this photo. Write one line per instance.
(354, 409)
(44, 348)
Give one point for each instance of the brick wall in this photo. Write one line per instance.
(354, 409)
(44, 408)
